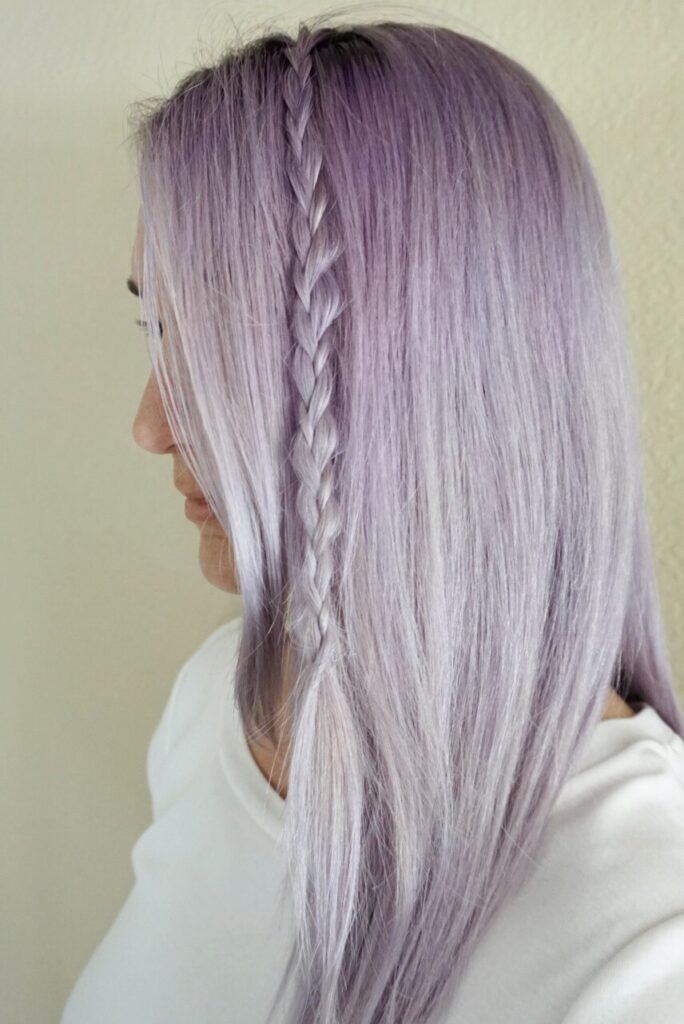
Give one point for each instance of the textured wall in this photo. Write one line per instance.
(103, 597)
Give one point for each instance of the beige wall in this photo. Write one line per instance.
(102, 597)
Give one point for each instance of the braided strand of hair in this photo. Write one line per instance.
(316, 306)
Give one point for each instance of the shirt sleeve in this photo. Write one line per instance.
(643, 983)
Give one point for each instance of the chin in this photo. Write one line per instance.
(216, 561)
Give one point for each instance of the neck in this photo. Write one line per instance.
(273, 763)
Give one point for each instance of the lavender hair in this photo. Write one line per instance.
(395, 357)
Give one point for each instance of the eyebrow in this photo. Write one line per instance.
(133, 287)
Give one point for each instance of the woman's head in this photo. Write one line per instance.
(394, 359)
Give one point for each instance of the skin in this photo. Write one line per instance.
(151, 432)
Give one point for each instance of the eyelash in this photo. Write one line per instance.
(144, 325)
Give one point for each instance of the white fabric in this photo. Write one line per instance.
(594, 936)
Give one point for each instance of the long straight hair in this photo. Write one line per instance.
(394, 352)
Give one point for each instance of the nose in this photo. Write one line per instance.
(150, 426)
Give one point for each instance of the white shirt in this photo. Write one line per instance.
(595, 935)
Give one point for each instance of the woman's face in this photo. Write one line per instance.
(151, 432)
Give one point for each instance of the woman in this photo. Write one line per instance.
(435, 771)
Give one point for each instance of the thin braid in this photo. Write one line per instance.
(316, 306)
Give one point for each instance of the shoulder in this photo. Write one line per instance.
(641, 981)
(631, 778)
(612, 858)
(602, 906)
(201, 682)
(632, 864)
(209, 667)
